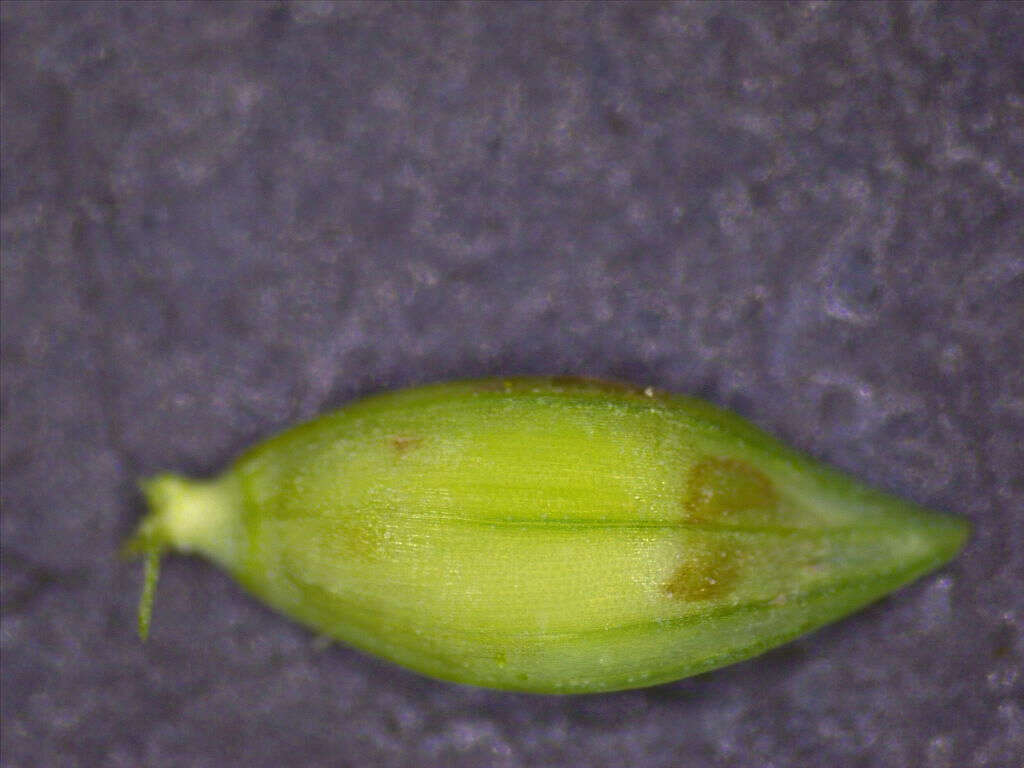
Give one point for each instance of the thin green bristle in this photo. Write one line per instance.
(152, 573)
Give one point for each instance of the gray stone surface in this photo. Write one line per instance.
(219, 219)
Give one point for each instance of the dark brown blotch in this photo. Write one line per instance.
(402, 444)
(726, 490)
(705, 574)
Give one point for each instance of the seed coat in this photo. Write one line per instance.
(551, 535)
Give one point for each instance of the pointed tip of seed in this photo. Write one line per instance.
(939, 538)
(949, 535)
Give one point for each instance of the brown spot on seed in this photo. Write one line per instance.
(403, 444)
(705, 574)
(729, 491)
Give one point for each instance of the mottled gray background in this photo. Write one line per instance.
(219, 219)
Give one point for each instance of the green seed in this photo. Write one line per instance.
(547, 535)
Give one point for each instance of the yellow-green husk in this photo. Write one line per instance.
(546, 535)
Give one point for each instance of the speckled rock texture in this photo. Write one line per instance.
(219, 219)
